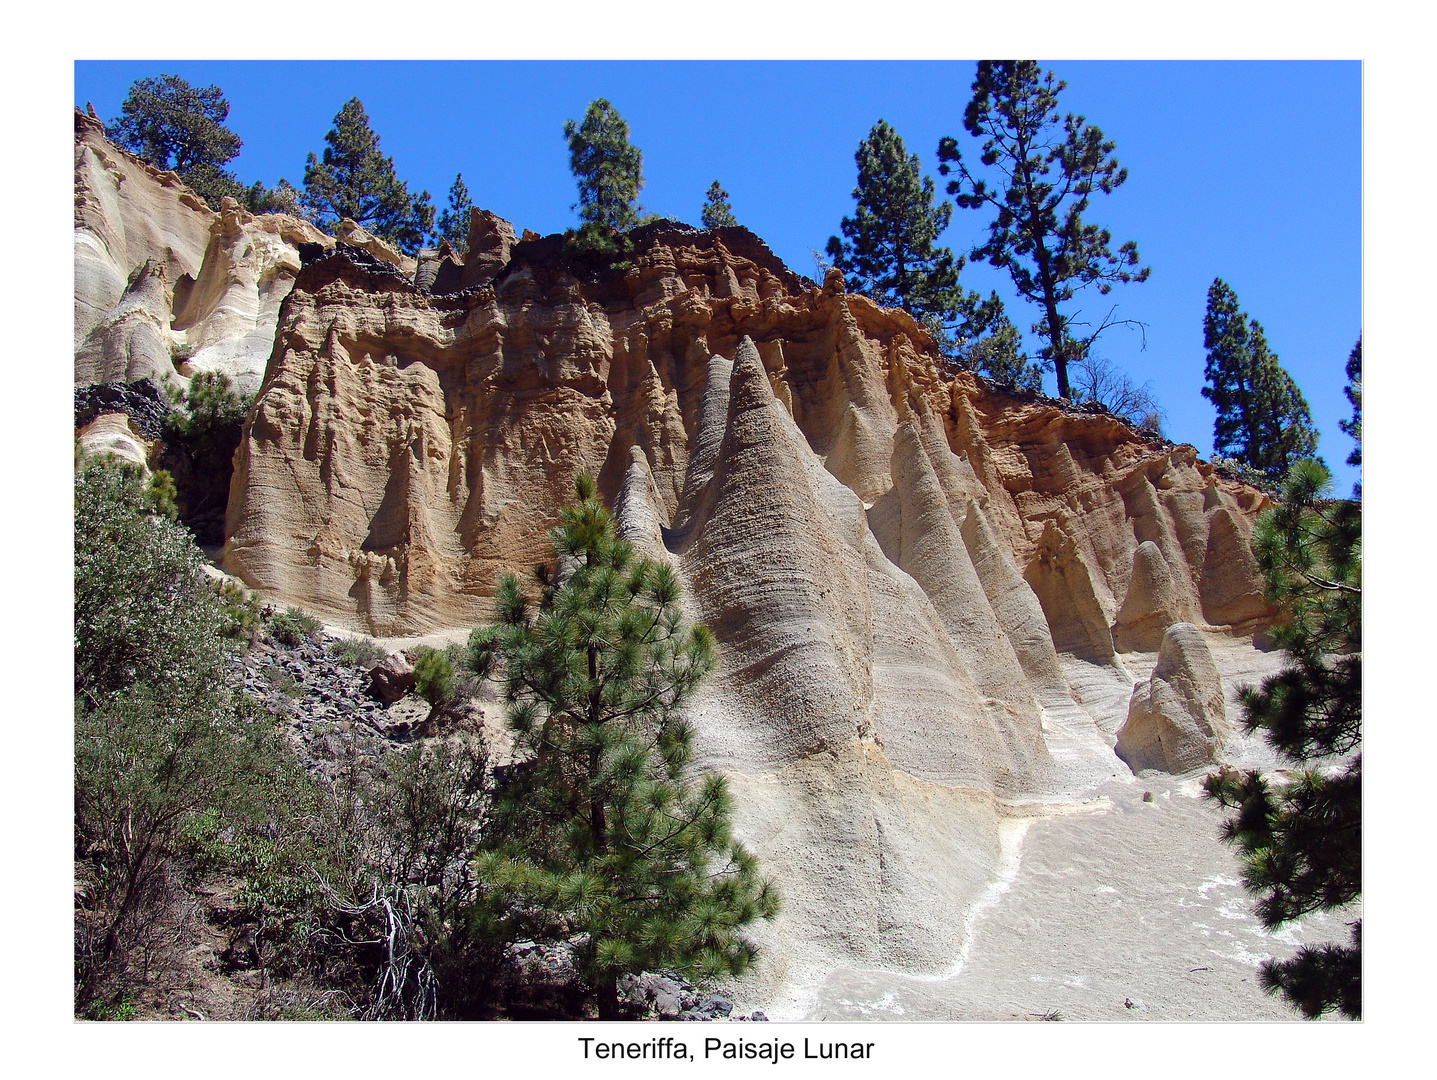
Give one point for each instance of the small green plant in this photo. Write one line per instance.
(122, 1008)
(292, 627)
(211, 409)
(357, 652)
(434, 676)
(240, 608)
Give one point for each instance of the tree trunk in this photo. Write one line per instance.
(606, 995)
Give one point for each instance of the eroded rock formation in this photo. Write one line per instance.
(1176, 720)
(892, 555)
(164, 286)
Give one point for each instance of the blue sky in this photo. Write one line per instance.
(1249, 171)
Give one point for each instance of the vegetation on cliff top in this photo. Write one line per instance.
(1263, 421)
(1037, 233)
(354, 180)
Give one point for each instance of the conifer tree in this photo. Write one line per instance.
(717, 213)
(1262, 419)
(1301, 842)
(1049, 168)
(354, 180)
(607, 833)
(1283, 420)
(889, 250)
(608, 169)
(1353, 427)
(453, 223)
(889, 254)
(174, 125)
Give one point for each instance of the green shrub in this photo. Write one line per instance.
(159, 736)
(433, 676)
(177, 776)
(243, 616)
(292, 627)
(210, 408)
(357, 652)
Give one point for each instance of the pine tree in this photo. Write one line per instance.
(174, 125)
(1301, 843)
(1038, 233)
(356, 181)
(1353, 427)
(717, 213)
(607, 833)
(1228, 386)
(1262, 421)
(1283, 420)
(609, 170)
(888, 252)
(453, 223)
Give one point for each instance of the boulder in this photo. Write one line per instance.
(1177, 720)
(391, 679)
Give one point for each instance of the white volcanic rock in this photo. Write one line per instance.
(1176, 721)
(114, 434)
(166, 287)
(1151, 604)
(228, 313)
(131, 341)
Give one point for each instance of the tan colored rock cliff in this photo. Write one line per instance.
(893, 557)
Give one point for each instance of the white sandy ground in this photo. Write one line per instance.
(1105, 907)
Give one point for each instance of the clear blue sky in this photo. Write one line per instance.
(1246, 171)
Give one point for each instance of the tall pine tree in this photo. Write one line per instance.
(607, 832)
(608, 169)
(453, 223)
(1048, 168)
(1301, 841)
(1262, 421)
(888, 251)
(717, 213)
(354, 180)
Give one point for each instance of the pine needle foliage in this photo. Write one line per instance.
(606, 838)
(608, 169)
(717, 211)
(1263, 421)
(354, 180)
(1353, 427)
(1048, 166)
(888, 251)
(453, 223)
(1301, 844)
(174, 125)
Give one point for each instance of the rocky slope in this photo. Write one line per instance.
(901, 563)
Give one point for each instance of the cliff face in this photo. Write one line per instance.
(164, 286)
(409, 446)
(893, 557)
